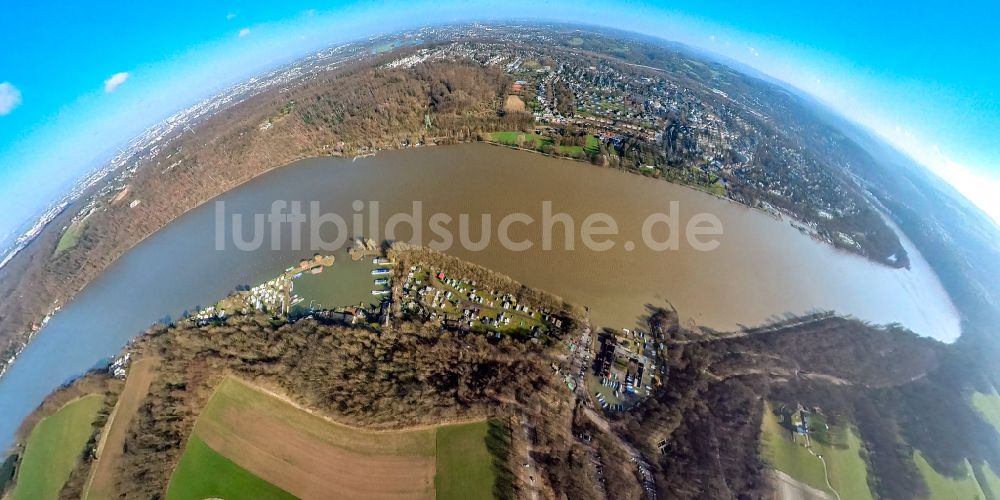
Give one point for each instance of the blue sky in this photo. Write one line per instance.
(924, 75)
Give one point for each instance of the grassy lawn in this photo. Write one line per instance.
(717, 189)
(788, 456)
(54, 447)
(203, 473)
(943, 487)
(848, 473)
(465, 468)
(530, 140)
(70, 237)
(840, 447)
(612, 106)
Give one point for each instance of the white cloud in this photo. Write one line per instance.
(10, 98)
(230, 16)
(244, 32)
(115, 81)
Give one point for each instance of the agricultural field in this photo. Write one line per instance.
(943, 487)
(203, 473)
(54, 447)
(839, 446)
(100, 485)
(261, 438)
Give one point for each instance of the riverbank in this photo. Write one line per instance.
(799, 274)
(124, 246)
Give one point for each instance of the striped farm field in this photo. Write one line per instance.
(264, 439)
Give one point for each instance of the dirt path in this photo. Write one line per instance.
(371, 430)
(826, 472)
(788, 488)
(101, 483)
(527, 470)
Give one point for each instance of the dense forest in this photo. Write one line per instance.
(411, 375)
(348, 111)
(902, 392)
(700, 430)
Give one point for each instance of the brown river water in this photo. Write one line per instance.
(761, 269)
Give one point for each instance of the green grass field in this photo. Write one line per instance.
(203, 473)
(943, 487)
(54, 447)
(244, 423)
(533, 141)
(465, 468)
(69, 238)
(527, 139)
(788, 456)
(848, 473)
